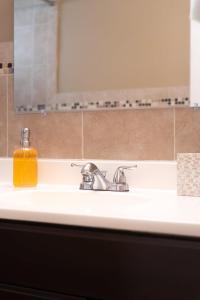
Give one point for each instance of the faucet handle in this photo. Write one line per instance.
(119, 176)
(127, 167)
(104, 172)
(76, 165)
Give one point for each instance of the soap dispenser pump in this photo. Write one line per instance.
(25, 162)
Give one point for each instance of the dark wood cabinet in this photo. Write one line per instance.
(94, 264)
(9, 292)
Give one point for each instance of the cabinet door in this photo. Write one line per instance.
(17, 293)
(99, 264)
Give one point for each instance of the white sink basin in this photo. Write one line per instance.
(155, 211)
(72, 200)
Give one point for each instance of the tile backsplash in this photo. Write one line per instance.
(147, 134)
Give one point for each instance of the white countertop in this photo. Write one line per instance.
(144, 210)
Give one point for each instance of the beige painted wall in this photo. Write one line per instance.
(6, 20)
(111, 44)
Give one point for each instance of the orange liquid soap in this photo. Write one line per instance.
(25, 163)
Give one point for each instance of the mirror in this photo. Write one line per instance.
(194, 53)
(100, 54)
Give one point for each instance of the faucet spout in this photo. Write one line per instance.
(88, 169)
(99, 180)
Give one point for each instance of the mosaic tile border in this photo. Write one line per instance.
(6, 58)
(113, 100)
(6, 68)
(105, 105)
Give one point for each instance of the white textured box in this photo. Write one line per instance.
(188, 174)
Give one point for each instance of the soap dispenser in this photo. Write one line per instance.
(25, 162)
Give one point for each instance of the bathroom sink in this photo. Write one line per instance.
(146, 210)
(68, 201)
(151, 206)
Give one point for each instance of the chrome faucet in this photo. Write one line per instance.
(94, 179)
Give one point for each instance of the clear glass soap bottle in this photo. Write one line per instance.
(25, 162)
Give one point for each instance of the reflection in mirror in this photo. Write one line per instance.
(100, 54)
(35, 48)
(195, 10)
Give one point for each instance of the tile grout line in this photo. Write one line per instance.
(82, 135)
(7, 96)
(174, 117)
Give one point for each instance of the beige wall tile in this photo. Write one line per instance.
(56, 135)
(137, 134)
(3, 116)
(187, 130)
